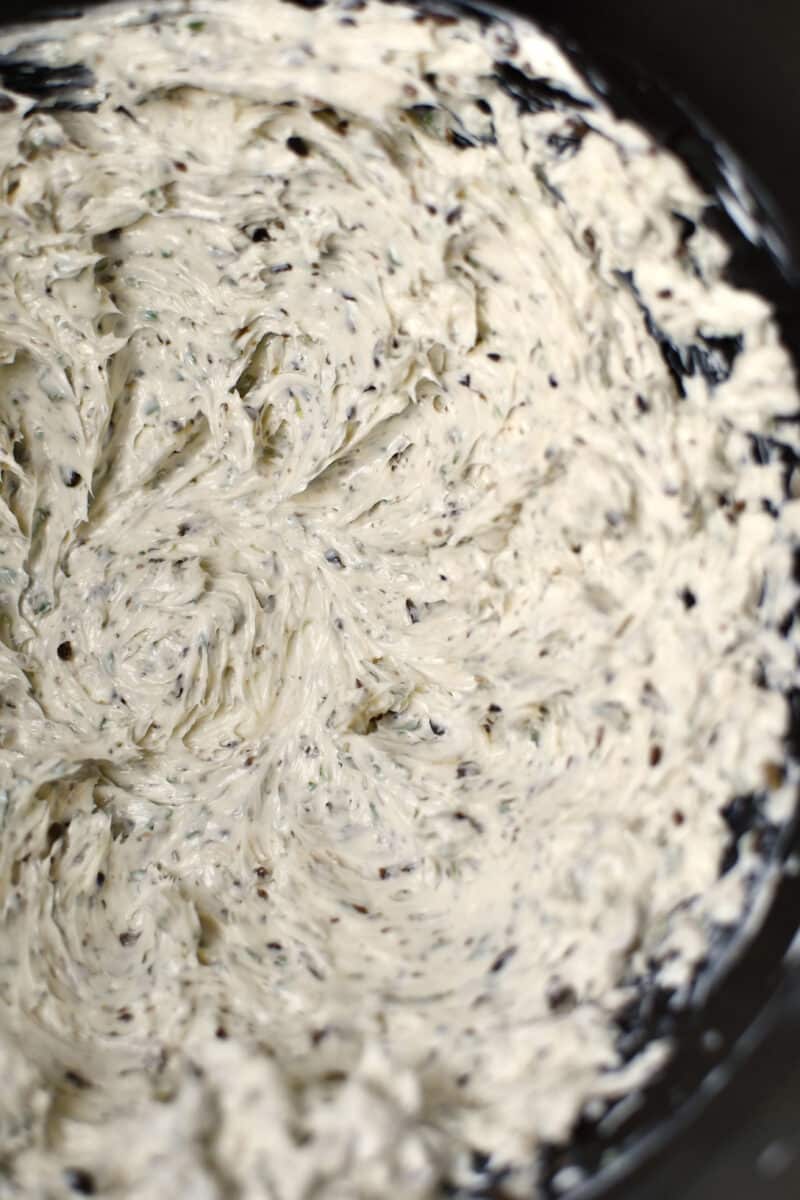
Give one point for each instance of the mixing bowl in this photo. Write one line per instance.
(717, 87)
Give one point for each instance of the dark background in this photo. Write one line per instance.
(744, 1142)
(736, 61)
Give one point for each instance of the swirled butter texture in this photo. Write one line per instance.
(390, 601)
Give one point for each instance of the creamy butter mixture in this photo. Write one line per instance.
(389, 601)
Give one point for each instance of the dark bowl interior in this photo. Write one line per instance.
(711, 85)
